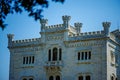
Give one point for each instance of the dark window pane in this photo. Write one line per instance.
(31, 79)
(78, 55)
(87, 77)
(33, 58)
(49, 55)
(55, 54)
(23, 60)
(80, 78)
(60, 54)
(51, 78)
(24, 79)
(89, 54)
(57, 77)
(85, 55)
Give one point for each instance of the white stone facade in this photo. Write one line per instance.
(65, 53)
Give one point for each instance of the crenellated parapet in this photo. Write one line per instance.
(53, 28)
(25, 42)
(87, 35)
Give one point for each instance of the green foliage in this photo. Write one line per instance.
(33, 7)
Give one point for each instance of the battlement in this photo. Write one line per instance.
(27, 40)
(88, 33)
(54, 26)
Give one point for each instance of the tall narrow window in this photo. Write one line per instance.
(51, 78)
(82, 57)
(57, 77)
(89, 54)
(78, 55)
(87, 77)
(80, 78)
(27, 60)
(85, 55)
(30, 60)
(49, 55)
(55, 54)
(112, 78)
(33, 59)
(23, 60)
(60, 54)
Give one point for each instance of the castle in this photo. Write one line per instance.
(63, 52)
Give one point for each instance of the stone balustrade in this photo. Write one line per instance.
(26, 40)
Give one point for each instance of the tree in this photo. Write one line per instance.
(33, 7)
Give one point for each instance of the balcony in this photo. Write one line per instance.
(53, 66)
(54, 63)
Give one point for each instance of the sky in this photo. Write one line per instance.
(89, 12)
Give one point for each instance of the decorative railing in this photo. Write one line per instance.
(54, 63)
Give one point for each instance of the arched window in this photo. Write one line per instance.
(57, 77)
(24, 79)
(112, 78)
(51, 78)
(55, 54)
(80, 78)
(60, 54)
(49, 55)
(87, 77)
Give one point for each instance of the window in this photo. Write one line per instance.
(49, 55)
(89, 55)
(60, 53)
(57, 77)
(55, 54)
(31, 79)
(24, 79)
(84, 55)
(80, 78)
(87, 77)
(54, 77)
(28, 60)
(51, 78)
(78, 55)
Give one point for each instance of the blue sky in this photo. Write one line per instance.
(90, 12)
